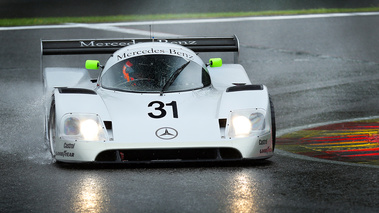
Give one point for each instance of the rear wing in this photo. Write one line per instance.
(109, 46)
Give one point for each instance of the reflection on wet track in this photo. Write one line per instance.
(90, 196)
(244, 194)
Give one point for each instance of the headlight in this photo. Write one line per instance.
(82, 127)
(89, 129)
(241, 125)
(246, 122)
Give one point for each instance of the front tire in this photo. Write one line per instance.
(273, 124)
(52, 128)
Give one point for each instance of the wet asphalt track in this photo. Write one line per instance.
(317, 70)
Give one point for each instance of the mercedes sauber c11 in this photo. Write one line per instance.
(154, 101)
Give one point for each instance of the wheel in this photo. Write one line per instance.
(273, 124)
(52, 128)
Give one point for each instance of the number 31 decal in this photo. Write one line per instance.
(160, 107)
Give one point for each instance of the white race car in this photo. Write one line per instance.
(154, 101)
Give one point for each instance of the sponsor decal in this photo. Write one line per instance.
(95, 43)
(267, 150)
(182, 54)
(69, 145)
(179, 42)
(65, 154)
(105, 44)
(166, 133)
(154, 51)
(263, 142)
(139, 52)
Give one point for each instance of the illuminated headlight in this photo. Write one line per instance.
(82, 127)
(244, 123)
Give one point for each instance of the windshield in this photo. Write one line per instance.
(155, 73)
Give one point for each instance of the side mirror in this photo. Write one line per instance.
(92, 64)
(215, 62)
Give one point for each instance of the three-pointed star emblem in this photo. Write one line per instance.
(166, 133)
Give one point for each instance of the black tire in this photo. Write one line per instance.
(273, 124)
(51, 128)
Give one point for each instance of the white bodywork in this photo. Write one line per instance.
(197, 123)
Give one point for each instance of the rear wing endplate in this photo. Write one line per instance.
(109, 46)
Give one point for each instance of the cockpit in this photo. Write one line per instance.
(155, 73)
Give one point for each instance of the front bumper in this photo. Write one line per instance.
(256, 147)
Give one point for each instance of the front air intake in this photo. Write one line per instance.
(151, 155)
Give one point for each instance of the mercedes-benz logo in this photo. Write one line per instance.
(166, 133)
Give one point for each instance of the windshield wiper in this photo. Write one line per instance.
(173, 77)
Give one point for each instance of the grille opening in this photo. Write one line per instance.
(227, 153)
(146, 155)
(107, 156)
(108, 124)
(174, 154)
(222, 122)
(108, 127)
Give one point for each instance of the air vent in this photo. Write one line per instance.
(108, 127)
(65, 90)
(244, 88)
(222, 124)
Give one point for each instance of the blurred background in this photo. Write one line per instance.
(79, 8)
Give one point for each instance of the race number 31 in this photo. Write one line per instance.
(160, 109)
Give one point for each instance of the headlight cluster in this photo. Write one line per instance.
(246, 122)
(81, 127)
